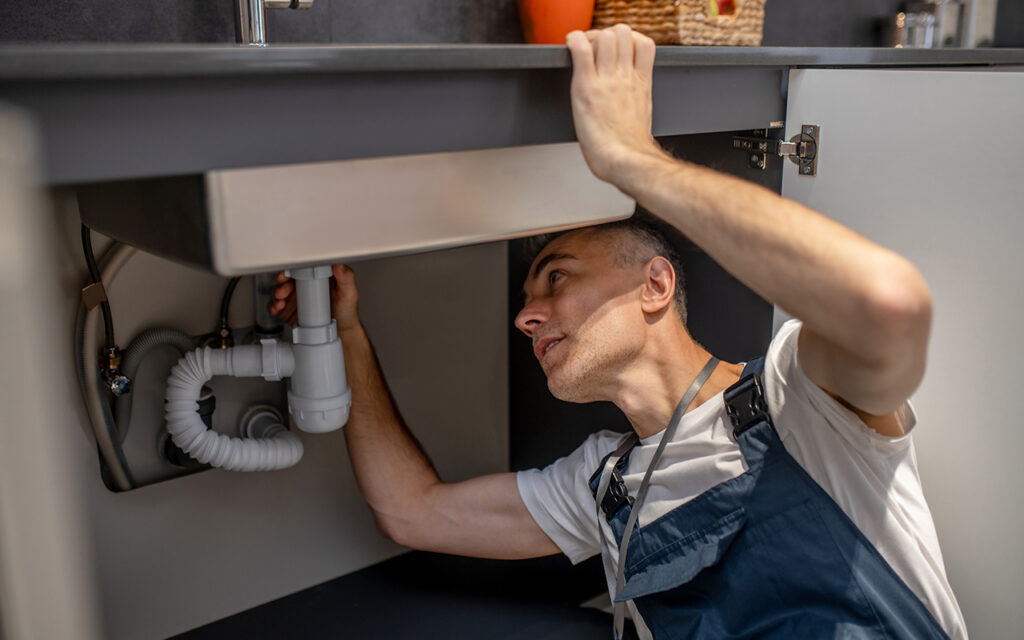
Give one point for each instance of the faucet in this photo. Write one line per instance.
(251, 18)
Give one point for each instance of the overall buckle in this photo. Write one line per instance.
(617, 495)
(745, 404)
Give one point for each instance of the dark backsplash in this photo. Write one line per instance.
(1010, 24)
(788, 23)
(356, 21)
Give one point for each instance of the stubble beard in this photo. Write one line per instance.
(587, 371)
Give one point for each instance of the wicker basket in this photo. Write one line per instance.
(686, 21)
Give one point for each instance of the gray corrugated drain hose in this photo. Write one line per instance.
(136, 352)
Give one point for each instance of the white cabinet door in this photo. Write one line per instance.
(931, 164)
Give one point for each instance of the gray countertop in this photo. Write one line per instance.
(86, 61)
(113, 112)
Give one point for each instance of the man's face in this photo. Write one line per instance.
(583, 315)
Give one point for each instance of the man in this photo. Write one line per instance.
(800, 514)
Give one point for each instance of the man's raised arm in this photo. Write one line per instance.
(866, 310)
(482, 517)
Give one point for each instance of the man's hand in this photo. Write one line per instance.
(344, 299)
(611, 97)
(480, 517)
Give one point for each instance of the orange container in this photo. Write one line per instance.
(548, 21)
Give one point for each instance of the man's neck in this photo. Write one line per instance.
(651, 388)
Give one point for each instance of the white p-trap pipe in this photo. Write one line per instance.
(270, 359)
(318, 400)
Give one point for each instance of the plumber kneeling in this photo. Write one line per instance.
(777, 498)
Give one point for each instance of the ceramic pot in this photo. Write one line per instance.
(548, 21)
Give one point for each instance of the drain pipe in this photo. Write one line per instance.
(269, 359)
(318, 400)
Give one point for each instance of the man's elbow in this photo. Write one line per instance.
(386, 527)
(398, 530)
(897, 324)
(898, 310)
(409, 524)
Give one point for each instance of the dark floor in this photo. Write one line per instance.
(423, 595)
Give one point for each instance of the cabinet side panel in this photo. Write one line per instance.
(927, 164)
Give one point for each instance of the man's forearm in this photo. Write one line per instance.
(391, 467)
(841, 285)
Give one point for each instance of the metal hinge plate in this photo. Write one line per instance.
(802, 148)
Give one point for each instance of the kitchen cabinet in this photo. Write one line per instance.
(925, 163)
(916, 149)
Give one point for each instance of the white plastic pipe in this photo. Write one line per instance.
(270, 359)
(319, 398)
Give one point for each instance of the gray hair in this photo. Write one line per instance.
(647, 232)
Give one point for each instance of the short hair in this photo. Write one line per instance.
(645, 230)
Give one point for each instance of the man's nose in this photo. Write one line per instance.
(530, 317)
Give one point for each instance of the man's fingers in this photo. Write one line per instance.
(624, 45)
(606, 52)
(643, 55)
(285, 310)
(284, 289)
(582, 54)
(345, 283)
(289, 313)
(342, 273)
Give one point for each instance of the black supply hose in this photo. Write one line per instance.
(225, 301)
(94, 275)
(100, 417)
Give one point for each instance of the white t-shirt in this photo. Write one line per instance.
(873, 478)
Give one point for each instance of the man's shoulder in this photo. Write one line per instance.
(588, 454)
(803, 410)
(601, 443)
(780, 357)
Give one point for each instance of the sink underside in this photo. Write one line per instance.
(241, 221)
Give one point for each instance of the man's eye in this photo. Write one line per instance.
(553, 276)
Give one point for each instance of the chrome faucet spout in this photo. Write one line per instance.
(251, 18)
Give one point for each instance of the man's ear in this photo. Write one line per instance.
(659, 286)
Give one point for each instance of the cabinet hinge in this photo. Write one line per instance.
(802, 148)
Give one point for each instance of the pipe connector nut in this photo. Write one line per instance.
(318, 272)
(278, 360)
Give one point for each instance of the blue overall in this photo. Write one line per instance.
(767, 554)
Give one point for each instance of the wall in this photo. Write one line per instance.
(213, 21)
(175, 555)
(1009, 30)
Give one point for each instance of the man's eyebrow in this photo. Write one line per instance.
(546, 260)
(539, 267)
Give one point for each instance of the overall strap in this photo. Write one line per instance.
(754, 366)
(611, 501)
(747, 407)
(744, 401)
(619, 608)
